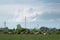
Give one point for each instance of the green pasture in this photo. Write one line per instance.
(28, 37)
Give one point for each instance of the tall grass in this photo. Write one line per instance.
(29, 37)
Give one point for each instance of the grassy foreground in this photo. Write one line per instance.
(29, 37)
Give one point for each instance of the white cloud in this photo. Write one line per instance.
(16, 10)
(17, 13)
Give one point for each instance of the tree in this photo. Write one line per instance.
(18, 29)
(11, 31)
(58, 31)
(5, 30)
(53, 31)
(1, 29)
(18, 26)
(44, 29)
(34, 31)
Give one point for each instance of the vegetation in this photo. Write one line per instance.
(29, 37)
(20, 33)
(19, 30)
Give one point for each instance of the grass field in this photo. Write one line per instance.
(29, 37)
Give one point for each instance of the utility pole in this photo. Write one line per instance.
(37, 25)
(25, 21)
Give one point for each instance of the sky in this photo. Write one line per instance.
(38, 13)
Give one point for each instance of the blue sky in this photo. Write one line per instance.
(38, 13)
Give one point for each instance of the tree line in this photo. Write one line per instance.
(19, 30)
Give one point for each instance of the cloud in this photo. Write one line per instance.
(50, 1)
(17, 12)
(41, 11)
(30, 13)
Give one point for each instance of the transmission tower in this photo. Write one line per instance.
(25, 21)
(5, 24)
